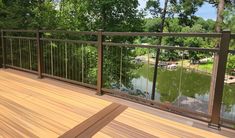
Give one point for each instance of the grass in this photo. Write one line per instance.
(206, 67)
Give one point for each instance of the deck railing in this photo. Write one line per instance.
(70, 56)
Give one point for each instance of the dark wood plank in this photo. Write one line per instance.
(102, 123)
(125, 130)
(78, 130)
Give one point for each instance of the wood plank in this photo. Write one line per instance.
(21, 80)
(96, 122)
(30, 108)
(102, 123)
(164, 127)
(46, 108)
(119, 129)
(9, 131)
(146, 125)
(151, 120)
(52, 95)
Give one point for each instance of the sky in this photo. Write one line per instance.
(206, 11)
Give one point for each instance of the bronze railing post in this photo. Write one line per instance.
(39, 55)
(100, 63)
(3, 50)
(217, 81)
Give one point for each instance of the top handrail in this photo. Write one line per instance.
(51, 31)
(216, 35)
(173, 34)
(19, 31)
(67, 32)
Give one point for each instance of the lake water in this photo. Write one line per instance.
(183, 88)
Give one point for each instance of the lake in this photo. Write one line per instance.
(183, 88)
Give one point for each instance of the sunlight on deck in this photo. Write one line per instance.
(138, 124)
(30, 108)
(33, 108)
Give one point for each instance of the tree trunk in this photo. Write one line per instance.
(219, 20)
(218, 29)
(158, 50)
(164, 16)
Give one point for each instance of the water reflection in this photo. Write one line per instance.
(192, 93)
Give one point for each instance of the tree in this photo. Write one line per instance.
(229, 22)
(27, 14)
(44, 15)
(73, 15)
(114, 15)
(153, 6)
(152, 24)
(219, 19)
(186, 10)
(183, 8)
(208, 25)
(229, 18)
(15, 13)
(109, 15)
(220, 5)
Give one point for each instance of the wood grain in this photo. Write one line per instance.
(33, 108)
(30, 108)
(95, 123)
(137, 124)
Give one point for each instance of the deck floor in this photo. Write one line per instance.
(30, 107)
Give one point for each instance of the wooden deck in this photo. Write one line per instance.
(30, 107)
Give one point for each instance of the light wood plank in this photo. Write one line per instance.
(30, 108)
(141, 124)
(33, 108)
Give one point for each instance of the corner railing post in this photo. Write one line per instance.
(39, 55)
(3, 50)
(100, 63)
(217, 81)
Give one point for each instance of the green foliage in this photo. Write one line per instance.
(187, 9)
(113, 15)
(44, 16)
(153, 6)
(206, 66)
(173, 25)
(230, 64)
(184, 9)
(229, 18)
(152, 25)
(207, 25)
(229, 22)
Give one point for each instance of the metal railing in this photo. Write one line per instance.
(66, 56)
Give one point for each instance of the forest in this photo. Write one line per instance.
(123, 16)
(79, 62)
